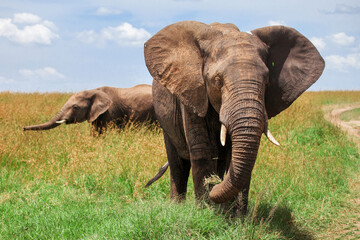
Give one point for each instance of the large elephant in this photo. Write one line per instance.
(103, 105)
(214, 80)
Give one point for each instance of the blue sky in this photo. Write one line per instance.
(69, 46)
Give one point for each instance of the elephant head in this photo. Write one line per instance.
(247, 78)
(85, 105)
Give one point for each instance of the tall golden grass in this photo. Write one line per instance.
(70, 151)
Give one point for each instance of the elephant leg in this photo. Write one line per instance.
(201, 169)
(99, 126)
(179, 171)
(199, 146)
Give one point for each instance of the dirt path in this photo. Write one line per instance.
(352, 127)
(349, 225)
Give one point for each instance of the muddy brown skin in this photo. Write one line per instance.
(103, 105)
(206, 76)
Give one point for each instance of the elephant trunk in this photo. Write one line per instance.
(48, 125)
(245, 125)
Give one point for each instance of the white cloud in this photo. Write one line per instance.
(342, 39)
(124, 35)
(344, 9)
(87, 36)
(26, 18)
(276, 23)
(42, 73)
(35, 30)
(49, 24)
(319, 43)
(341, 63)
(103, 11)
(4, 80)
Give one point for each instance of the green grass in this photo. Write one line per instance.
(353, 114)
(66, 184)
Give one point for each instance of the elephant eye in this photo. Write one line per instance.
(218, 81)
(75, 106)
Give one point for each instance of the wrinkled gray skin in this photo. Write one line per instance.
(103, 105)
(206, 76)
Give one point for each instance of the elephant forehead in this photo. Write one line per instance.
(224, 28)
(79, 99)
(221, 59)
(229, 51)
(235, 45)
(84, 94)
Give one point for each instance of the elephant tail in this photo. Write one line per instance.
(161, 172)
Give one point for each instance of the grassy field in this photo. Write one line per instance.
(351, 115)
(66, 184)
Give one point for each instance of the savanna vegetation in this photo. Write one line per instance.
(353, 114)
(67, 184)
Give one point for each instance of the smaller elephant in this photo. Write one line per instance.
(103, 105)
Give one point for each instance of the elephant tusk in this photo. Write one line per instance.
(223, 134)
(61, 121)
(271, 137)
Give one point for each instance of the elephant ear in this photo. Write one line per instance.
(294, 64)
(173, 58)
(100, 104)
